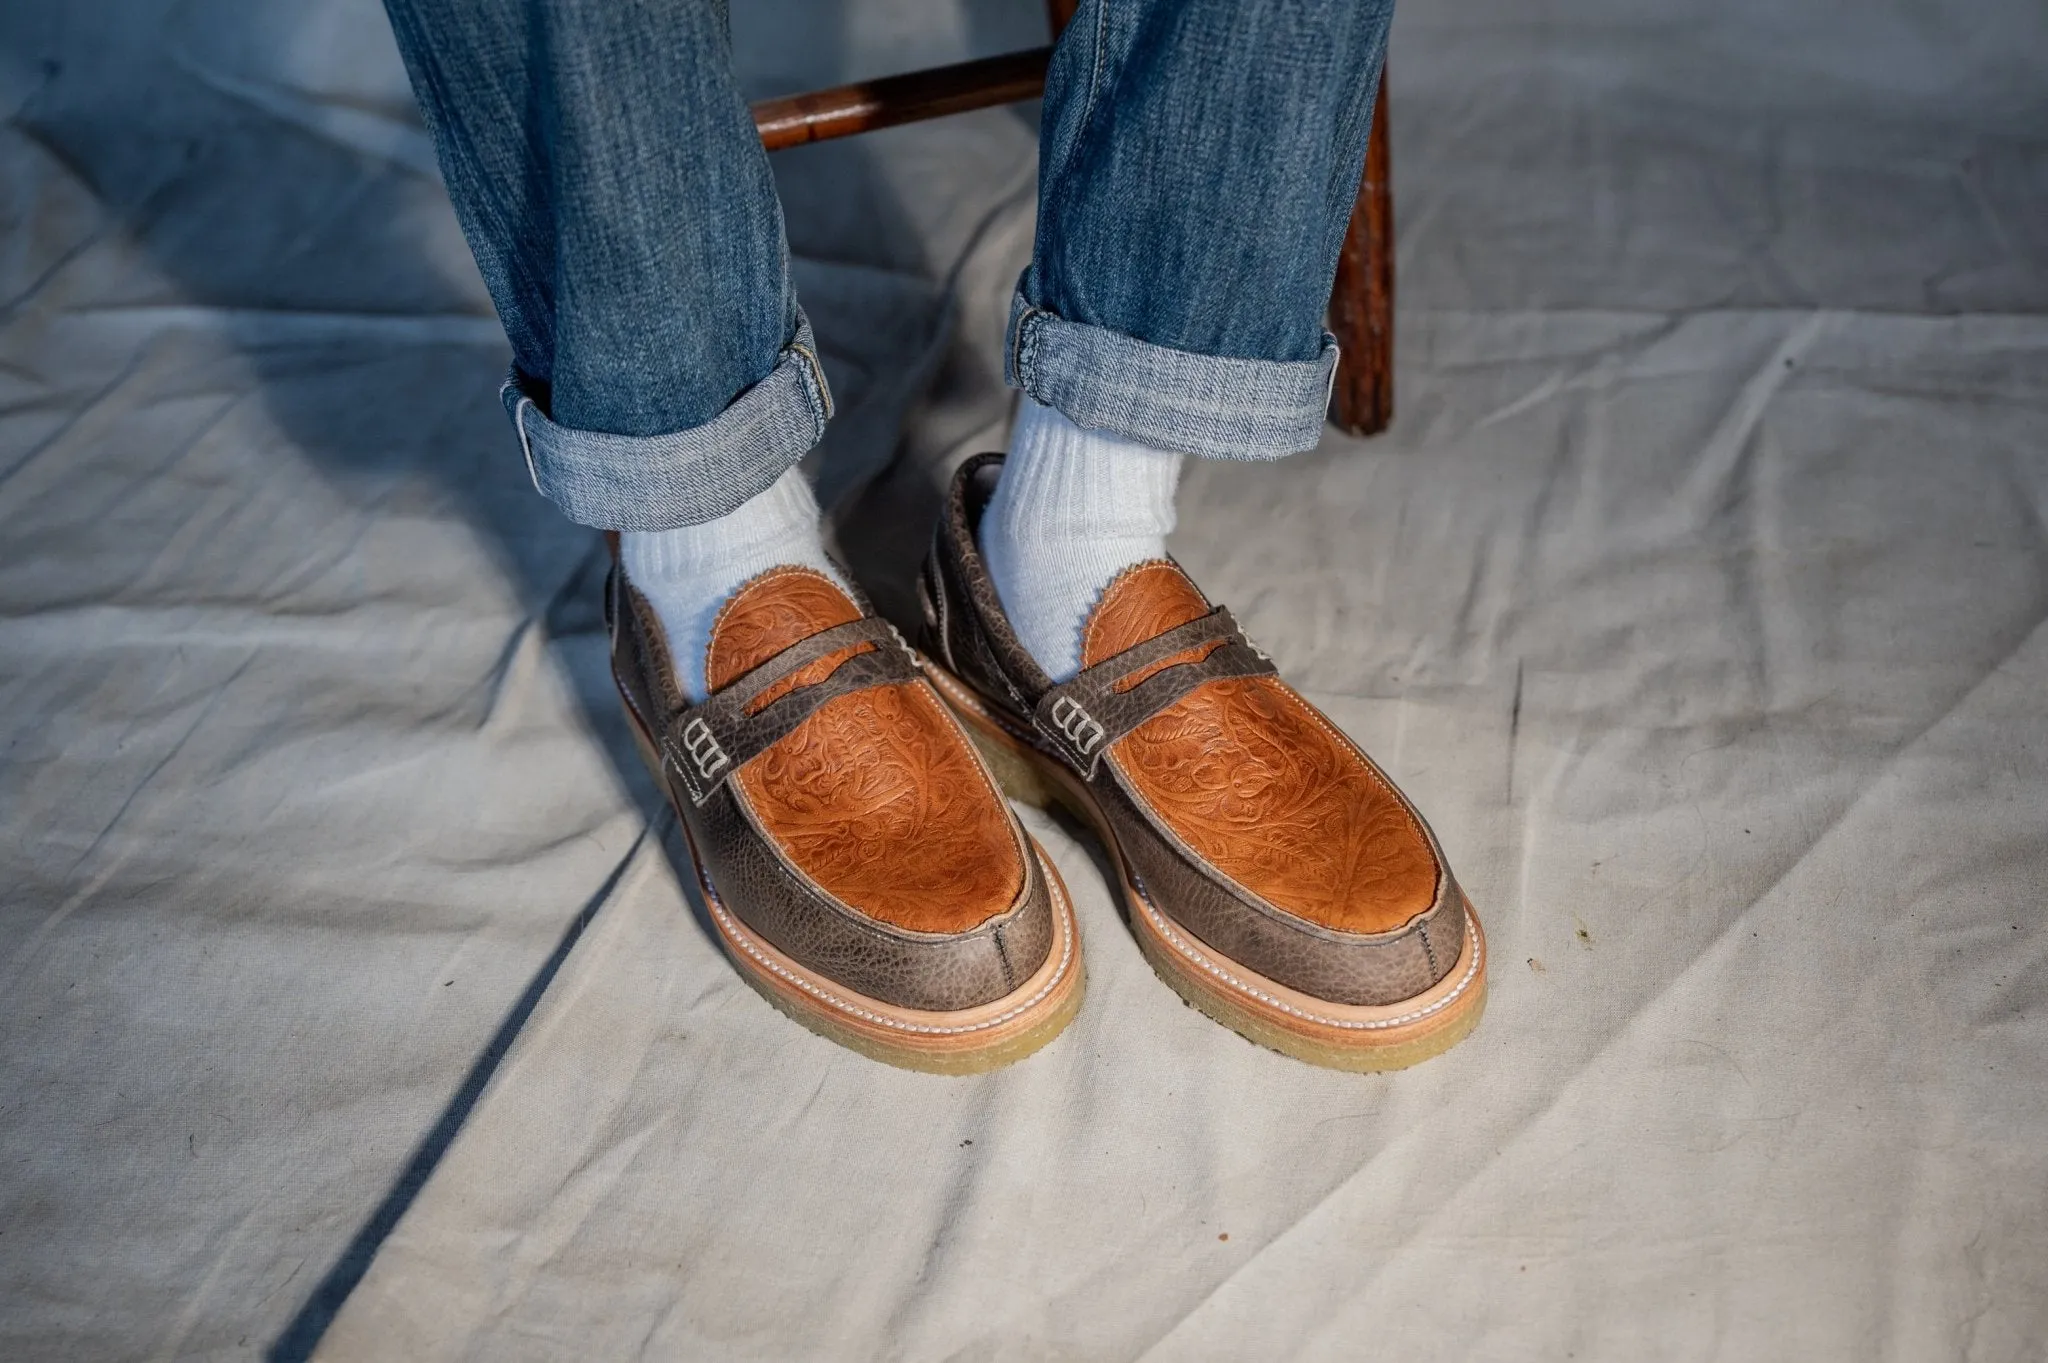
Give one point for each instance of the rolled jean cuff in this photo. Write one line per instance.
(1209, 405)
(660, 482)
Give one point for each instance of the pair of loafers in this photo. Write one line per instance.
(842, 798)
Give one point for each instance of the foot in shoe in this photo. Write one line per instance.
(687, 575)
(1275, 876)
(1075, 507)
(858, 863)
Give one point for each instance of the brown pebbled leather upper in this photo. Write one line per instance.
(966, 631)
(910, 833)
(1254, 781)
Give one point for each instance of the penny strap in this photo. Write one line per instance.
(1083, 717)
(710, 741)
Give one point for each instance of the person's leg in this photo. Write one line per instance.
(619, 204)
(860, 868)
(1197, 168)
(1200, 159)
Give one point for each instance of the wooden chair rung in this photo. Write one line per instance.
(1361, 305)
(912, 97)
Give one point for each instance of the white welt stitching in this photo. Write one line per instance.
(1180, 944)
(738, 935)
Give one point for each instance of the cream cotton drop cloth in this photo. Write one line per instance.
(350, 999)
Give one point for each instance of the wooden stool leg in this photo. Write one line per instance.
(1059, 13)
(1362, 303)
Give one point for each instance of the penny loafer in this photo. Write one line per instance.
(856, 857)
(1272, 873)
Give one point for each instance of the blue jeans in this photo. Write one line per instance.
(1197, 167)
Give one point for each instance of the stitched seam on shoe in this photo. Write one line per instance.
(1003, 956)
(995, 664)
(978, 634)
(1181, 945)
(1008, 685)
(738, 936)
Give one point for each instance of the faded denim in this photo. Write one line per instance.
(1197, 168)
(686, 477)
(605, 170)
(1214, 405)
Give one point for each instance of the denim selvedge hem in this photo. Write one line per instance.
(1209, 405)
(660, 482)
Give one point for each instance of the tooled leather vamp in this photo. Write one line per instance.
(876, 797)
(1258, 784)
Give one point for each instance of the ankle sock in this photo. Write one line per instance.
(1075, 507)
(688, 574)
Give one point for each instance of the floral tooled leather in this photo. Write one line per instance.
(1259, 784)
(876, 797)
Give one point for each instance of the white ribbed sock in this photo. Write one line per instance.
(687, 574)
(1075, 507)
